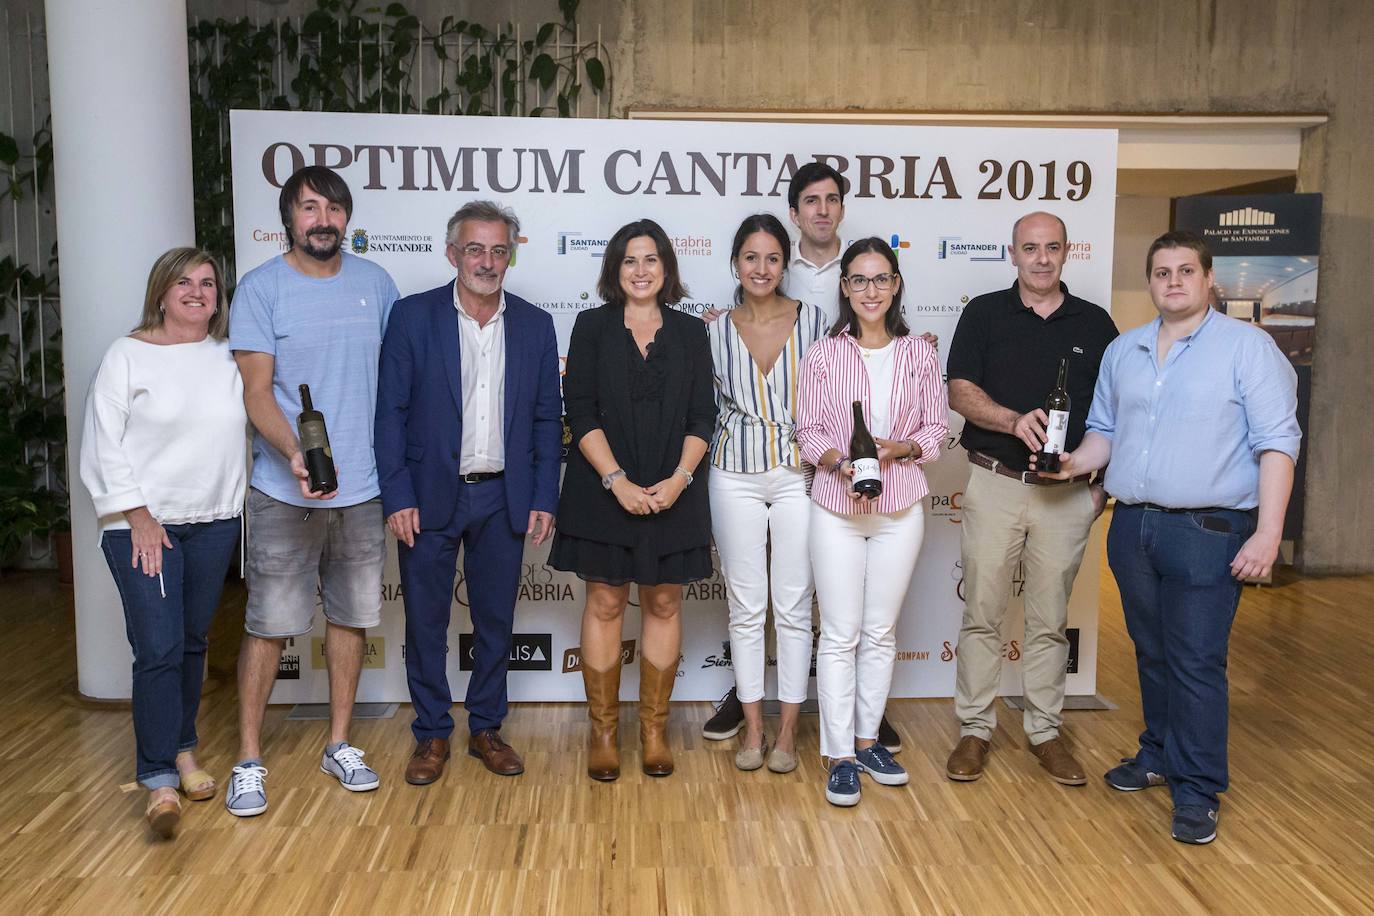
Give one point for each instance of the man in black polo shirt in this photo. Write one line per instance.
(1003, 362)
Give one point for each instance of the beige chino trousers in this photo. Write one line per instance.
(1046, 529)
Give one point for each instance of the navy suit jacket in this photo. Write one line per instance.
(419, 424)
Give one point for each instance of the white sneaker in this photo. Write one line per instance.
(346, 765)
(247, 795)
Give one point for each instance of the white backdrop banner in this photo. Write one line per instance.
(944, 198)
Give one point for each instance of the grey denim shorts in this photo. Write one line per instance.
(296, 556)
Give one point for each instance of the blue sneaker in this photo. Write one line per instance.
(346, 765)
(1130, 776)
(1195, 824)
(877, 762)
(842, 786)
(247, 795)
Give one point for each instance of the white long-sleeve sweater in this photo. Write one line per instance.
(166, 428)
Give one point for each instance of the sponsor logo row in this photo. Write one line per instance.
(534, 652)
(363, 242)
(528, 652)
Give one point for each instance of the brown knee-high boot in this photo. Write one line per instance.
(603, 708)
(655, 690)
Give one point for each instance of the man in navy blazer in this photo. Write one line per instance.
(468, 437)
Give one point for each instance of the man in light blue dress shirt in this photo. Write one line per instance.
(1197, 414)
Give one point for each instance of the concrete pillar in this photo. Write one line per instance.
(121, 123)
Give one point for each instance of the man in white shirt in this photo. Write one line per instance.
(815, 203)
(468, 439)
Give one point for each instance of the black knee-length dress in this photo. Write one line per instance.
(645, 405)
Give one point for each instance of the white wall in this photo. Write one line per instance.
(1139, 221)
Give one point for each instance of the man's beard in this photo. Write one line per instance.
(482, 286)
(322, 254)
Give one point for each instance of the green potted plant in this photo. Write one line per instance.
(33, 426)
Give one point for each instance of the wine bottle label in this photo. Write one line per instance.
(313, 436)
(865, 469)
(1057, 432)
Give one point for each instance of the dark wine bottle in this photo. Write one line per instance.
(319, 459)
(863, 455)
(1057, 429)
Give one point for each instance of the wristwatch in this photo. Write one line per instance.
(611, 477)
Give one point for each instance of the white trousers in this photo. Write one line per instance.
(863, 566)
(746, 509)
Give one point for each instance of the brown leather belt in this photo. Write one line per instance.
(1026, 477)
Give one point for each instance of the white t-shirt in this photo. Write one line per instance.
(166, 428)
(881, 364)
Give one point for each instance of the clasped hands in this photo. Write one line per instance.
(637, 500)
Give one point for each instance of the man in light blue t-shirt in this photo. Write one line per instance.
(313, 316)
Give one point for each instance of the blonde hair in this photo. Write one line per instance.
(167, 270)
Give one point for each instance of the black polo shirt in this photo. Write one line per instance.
(1013, 354)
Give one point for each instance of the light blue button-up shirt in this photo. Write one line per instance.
(1188, 434)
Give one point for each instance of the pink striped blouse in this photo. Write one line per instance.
(833, 377)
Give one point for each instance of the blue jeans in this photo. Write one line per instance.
(1179, 599)
(168, 636)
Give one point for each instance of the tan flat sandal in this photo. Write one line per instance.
(203, 782)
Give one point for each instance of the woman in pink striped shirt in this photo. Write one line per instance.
(863, 551)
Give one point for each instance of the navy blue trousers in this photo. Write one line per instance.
(1179, 599)
(492, 555)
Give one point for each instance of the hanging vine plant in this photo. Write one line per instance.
(343, 56)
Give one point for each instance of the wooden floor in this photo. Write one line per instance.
(1297, 826)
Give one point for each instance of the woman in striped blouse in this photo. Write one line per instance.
(863, 551)
(757, 486)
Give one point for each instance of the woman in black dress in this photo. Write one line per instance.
(634, 506)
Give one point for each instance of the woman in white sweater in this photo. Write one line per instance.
(163, 455)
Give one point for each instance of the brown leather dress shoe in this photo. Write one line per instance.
(426, 764)
(1054, 756)
(495, 754)
(966, 761)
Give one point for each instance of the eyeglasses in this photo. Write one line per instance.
(858, 282)
(475, 251)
